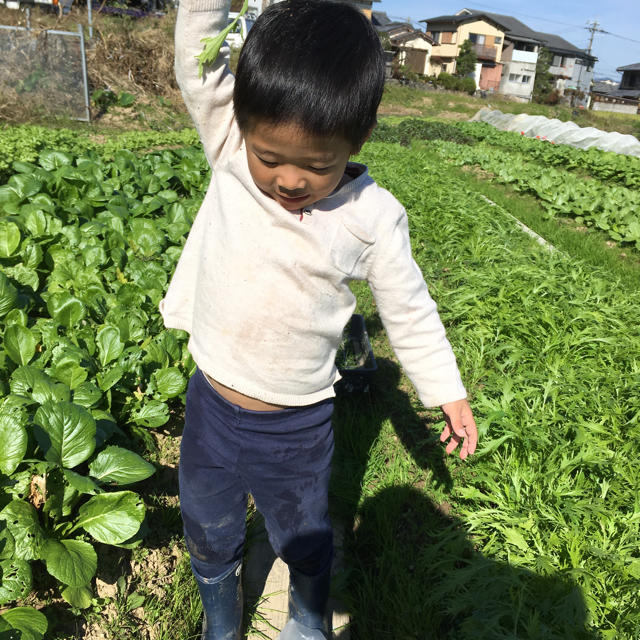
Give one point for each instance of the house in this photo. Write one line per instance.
(572, 68)
(519, 55)
(412, 46)
(623, 99)
(487, 36)
(516, 48)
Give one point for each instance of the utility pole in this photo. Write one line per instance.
(593, 27)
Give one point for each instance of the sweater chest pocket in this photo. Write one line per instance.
(349, 244)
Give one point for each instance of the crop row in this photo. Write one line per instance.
(550, 353)
(25, 142)
(611, 208)
(603, 165)
(86, 249)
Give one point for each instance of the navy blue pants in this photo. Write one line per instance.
(282, 458)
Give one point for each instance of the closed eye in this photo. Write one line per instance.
(267, 163)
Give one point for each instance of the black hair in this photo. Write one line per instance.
(316, 63)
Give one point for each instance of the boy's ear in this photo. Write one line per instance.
(373, 126)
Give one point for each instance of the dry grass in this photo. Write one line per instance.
(125, 54)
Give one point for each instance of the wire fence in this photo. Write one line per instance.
(44, 71)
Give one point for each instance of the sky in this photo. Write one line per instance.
(568, 19)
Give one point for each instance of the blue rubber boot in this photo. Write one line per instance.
(221, 604)
(308, 596)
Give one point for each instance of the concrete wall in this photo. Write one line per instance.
(525, 56)
(615, 108)
(515, 88)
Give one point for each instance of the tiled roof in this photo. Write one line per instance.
(630, 67)
(513, 26)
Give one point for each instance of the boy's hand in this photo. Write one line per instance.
(460, 427)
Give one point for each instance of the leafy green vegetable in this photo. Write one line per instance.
(212, 45)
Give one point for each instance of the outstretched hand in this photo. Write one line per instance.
(460, 427)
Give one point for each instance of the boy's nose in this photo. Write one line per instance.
(290, 184)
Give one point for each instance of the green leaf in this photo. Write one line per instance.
(16, 580)
(8, 295)
(19, 343)
(212, 45)
(28, 622)
(107, 379)
(13, 442)
(73, 562)
(86, 394)
(9, 238)
(80, 483)
(146, 237)
(109, 344)
(24, 275)
(79, 597)
(30, 381)
(112, 518)
(7, 543)
(121, 466)
(65, 309)
(71, 373)
(169, 382)
(22, 522)
(514, 537)
(24, 185)
(52, 160)
(154, 413)
(65, 432)
(16, 316)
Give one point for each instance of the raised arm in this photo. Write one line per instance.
(209, 99)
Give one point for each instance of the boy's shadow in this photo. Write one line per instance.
(411, 569)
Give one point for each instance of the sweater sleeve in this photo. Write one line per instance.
(411, 320)
(209, 99)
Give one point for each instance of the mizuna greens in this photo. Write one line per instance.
(542, 534)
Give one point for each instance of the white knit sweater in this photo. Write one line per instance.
(264, 294)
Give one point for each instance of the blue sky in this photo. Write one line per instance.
(567, 19)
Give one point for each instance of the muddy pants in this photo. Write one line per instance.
(282, 458)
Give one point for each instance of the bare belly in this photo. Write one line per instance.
(239, 399)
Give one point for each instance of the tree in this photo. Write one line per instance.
(543, 82)
(467, 59)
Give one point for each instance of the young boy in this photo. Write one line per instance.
(262, 287)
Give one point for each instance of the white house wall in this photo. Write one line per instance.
(518, 89)
(524, 56)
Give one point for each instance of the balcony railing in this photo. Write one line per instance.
(485, 53)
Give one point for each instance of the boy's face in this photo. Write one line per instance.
(292, 167)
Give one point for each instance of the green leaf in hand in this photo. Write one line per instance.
(212, 45)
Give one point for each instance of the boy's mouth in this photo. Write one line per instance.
(286, 201)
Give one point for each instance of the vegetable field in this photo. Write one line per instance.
(536, 536)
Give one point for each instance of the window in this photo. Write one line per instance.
(498, 39)
(476, 38)
(435, 35)
(447, 37)
(513, 77)
(526, 79)
(558, 61)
